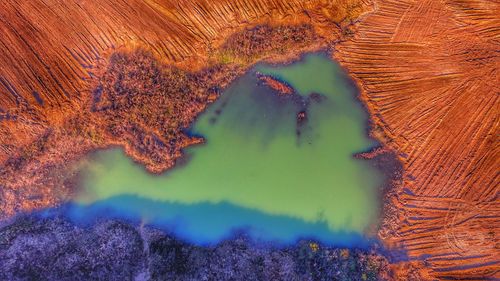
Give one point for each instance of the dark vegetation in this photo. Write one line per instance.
(263, 40)
(148, 106)
(55, 249)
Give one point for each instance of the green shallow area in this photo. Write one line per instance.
(258, 155)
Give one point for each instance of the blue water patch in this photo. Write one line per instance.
(208, 224)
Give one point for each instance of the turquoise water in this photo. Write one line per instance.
(209, 223)
(261, 169)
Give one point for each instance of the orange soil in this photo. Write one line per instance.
(428, 71)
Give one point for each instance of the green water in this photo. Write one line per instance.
(254, 157)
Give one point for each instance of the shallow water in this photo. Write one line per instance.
(260, 169)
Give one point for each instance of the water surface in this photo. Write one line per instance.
(262, 168)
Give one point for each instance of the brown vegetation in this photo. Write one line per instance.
(281, 87)
(262, 41)
(146, 107)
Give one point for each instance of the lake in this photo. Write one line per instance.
(275, 166)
